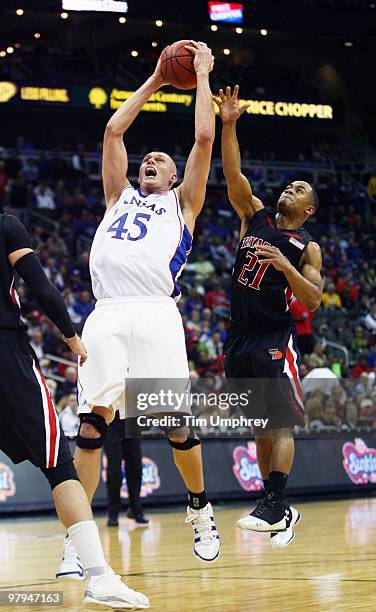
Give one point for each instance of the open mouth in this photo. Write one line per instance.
(150, 171)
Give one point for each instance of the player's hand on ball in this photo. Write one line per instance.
(157, 74)
(228, 105)
(78, 347)
(272, 255)
(204, 60)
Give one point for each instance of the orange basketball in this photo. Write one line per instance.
(177, 66)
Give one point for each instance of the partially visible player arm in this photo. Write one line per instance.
(238, 187)
(22, 257)
(307, 285)
(115, 159)
(193, 188)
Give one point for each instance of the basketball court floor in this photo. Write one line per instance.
(331, 565)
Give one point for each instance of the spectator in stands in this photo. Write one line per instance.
(52, 386)
(328, 421)
(214, 346)
(350, 422)
(359, 342)
(303, 321)
(330, 298)
(36, 342)
(69, 419)
(367, 413)
(370, 319)
(81, 307)
(44, 198)
(317, 358)
(216, 298)
(201, 266)
(361, 366)
(69, 385)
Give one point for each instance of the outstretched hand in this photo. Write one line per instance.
(228, 105)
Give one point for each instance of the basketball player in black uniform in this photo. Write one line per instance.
(29, 425)
(276, 259)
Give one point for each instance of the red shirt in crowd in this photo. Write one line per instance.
(302, 317)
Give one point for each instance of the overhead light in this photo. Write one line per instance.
(159, 23)
(154, 44)
(239, 30)
(214, 28)
(37, 35)
(64, 15)
(226, 51)
(122, 20)
(10, 49)
(17, 45)
(19, 12)
(348, 43)
(134, 53)
(263, 32)
(3, 53)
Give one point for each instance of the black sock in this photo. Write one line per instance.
(197, 500)
(277, 482)
(266, 484)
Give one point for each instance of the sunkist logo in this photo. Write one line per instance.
(246, 468)
(150, 477)
(7, 484)
(359, 462)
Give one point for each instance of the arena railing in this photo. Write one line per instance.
(270, 173)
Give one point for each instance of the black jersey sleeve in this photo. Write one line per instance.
(16, 236)
(30, 269)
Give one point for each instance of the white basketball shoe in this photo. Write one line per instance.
(108, 590)
(70, 566)
(207, 542)
(282, 539)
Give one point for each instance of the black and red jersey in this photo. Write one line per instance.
(13, 236)
(260, 294)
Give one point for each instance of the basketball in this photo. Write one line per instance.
(177, 66)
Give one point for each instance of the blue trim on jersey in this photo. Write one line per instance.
(180, 259)
(141, 194)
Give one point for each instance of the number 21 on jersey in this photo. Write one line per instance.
(250, 267)
(119, 229)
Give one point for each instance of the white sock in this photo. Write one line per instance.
(85, 539)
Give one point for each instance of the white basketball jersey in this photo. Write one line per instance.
(140, 247)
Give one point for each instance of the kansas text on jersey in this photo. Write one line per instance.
(260, 293)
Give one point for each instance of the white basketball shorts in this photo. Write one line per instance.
(129, 338)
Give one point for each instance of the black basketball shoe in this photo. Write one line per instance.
(272, 513)
(281, 539)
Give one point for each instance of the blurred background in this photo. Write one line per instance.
(62, 74)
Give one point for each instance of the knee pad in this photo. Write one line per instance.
(189, 443)
(97, 421)
(60, 473)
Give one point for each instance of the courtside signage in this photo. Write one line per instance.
(246, 468)
(359, 462)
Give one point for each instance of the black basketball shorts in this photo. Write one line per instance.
(266, 365)
(29, 425)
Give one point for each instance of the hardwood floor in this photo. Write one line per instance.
(331, 565)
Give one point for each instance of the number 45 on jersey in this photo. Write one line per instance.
(120, 231)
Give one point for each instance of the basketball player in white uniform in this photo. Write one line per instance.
(135, 331)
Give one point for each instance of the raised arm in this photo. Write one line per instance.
(115, 160)
(193, 188)
(238, 187)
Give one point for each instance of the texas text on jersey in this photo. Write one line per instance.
(260, 293)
